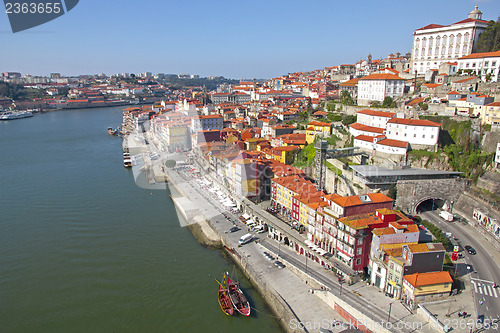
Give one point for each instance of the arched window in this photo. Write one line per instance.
(424, 40)
(466, 37)
(438, 41)
(417, 43)
(431, 40)
(436, 51)
(459, 38)
(452, 39)
(444, 40)
(464, 49)
(429, 51)
(443, 50)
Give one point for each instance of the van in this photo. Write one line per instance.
(446, 215)
(245, 239)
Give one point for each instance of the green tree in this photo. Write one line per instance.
(388, 102)
(349, 119)
(423, 106)
(170, 164)
(345, 98)
(392, 192)
(489, 40)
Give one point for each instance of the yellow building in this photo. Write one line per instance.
(284, 154)
(317, 128)
(490, 113)
(424, 287)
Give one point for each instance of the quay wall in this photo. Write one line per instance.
(283, 312)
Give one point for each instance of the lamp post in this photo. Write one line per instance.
(306, 262)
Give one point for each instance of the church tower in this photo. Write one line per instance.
(475, 14)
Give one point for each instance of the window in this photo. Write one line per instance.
(493, 63)
(423, 136)
(473, 65)
(359, 251)
(396, 280)
(358, 261)
(432, 136)
(414, 135)
(390, 276)
(392, 265)
(486, 63)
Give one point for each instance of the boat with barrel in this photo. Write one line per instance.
(224, 300)
(238, 299)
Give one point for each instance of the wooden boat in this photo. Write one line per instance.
(225, 301)
(238, 299)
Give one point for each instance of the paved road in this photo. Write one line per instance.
(483, 272)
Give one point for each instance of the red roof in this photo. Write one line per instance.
(381, 77)
(377, 113)
(393, 143)
(365, 128)
(432, 26)
(482, 55)
(413, 122)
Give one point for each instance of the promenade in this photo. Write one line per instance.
(304, 292)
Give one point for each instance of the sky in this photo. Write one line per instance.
(235, 39)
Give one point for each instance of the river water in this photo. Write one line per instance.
(83, 249)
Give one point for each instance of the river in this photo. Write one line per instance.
(83, 249)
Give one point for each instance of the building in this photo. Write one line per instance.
(374, 118)
(380, 144)
(435, 44)
(204, 123)
(358, 204)
(485, 65)
(415, 131)
(376, 87)
(425, 287)
(360, 129)
(317, 128)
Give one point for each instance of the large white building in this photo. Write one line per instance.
(485, 65)
(415, 131)
(435, 44)
(376, 87)
(373, 118)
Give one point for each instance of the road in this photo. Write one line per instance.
(483, 272)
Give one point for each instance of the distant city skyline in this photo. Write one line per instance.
(261, 39)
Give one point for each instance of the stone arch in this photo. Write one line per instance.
(422, 200)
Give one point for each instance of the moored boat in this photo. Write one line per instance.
(238, 299)
(11, 115)
(224, 300)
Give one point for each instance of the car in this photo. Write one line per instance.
(279, 264)
(234, 229)
(470, 249)
(268, 255)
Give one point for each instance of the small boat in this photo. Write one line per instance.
(224, 300)
(127, 162)
(238, 299)
(112, 131)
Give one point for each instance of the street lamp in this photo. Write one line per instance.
(390, 307)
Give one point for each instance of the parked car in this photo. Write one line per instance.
(470, 249)
(279, 264)
(268, 256)
(234, 229)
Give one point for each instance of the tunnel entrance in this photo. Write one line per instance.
(430, 204)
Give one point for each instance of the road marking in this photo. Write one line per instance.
(494, 292)
(475, 286)
(480, 289)
(482, 280)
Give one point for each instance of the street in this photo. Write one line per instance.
(482, 270)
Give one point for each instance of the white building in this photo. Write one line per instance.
(381, 144)
(360, 129)
(376, 87)
(207, 123)
(435, 44)
(414, 131)
(374, 118)
(485, 64)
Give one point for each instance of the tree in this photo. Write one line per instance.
(349, 119)
(392, 192)
(489, 40)
(423, 106)
(345, 98)
(170, 164)
(388, 102)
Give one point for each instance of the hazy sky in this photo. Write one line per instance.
(236, 39)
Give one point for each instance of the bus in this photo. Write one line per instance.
(245, 239)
